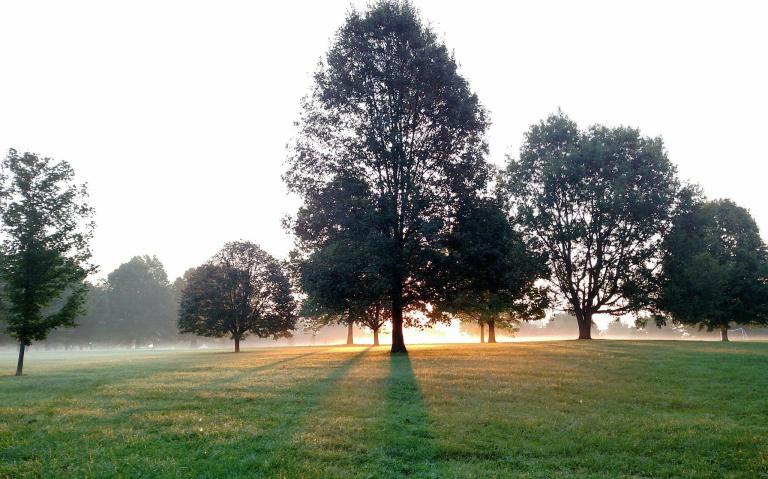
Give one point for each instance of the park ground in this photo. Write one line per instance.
(600, 409)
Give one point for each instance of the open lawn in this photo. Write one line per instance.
(544, 410)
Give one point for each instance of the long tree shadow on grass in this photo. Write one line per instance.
(158, 435)
(409, 449)
(232, 378)
(53, 387)
(203, 394)
(271, 453)
(159, 397)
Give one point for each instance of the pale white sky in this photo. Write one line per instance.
(177, 113)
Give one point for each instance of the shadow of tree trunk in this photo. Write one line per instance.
(410, 450)
(281, 445)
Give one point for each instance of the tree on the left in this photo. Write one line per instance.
(47, 226)
(241, 291)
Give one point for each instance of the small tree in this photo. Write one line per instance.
(374, 317)
(600, 202)
(241, 291)
(490, 272)
(715, 269)
(46, 224)
(314, 321)
(340, 258)
(474, 324)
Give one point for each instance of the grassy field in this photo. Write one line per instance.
(544, 410)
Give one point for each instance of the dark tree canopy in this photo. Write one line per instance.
(342, 267)
(390, 112)
(600, 201)
(46, 226)
(141, 302)
(241, 291)
(490, 272)
(715, 269)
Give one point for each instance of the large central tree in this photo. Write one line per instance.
(390, 110)
(600, 202)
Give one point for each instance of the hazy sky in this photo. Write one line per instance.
(177, 113)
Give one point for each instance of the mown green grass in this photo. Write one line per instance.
(600, 409)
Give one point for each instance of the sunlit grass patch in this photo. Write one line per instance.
(550, 409)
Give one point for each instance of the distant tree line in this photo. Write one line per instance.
(134, 306)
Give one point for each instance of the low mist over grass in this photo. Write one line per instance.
(544, 410)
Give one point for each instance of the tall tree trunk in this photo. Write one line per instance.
(585, 325)
(482, 332)
(491, 331)
(350, 339)
(724, 333)
(20, 364)
(398, 343)
(237, 344)
(376, 336)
